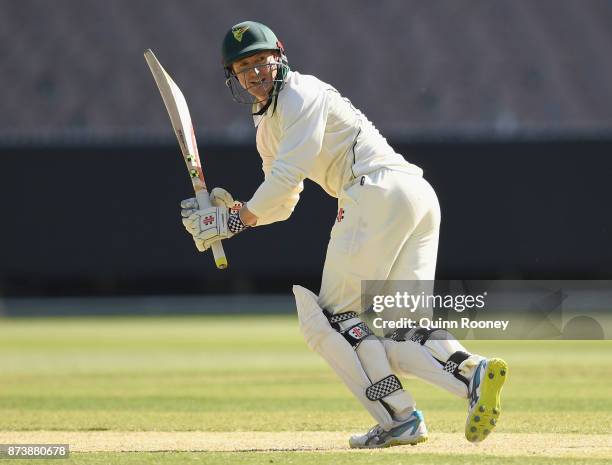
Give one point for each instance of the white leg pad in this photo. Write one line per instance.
(340, 355)
(426, 361)
(373, 358)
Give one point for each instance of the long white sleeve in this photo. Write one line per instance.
(284, 211)
(301, 121)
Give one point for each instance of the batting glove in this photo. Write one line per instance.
(222, 221)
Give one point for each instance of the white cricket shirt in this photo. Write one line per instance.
(314, 133)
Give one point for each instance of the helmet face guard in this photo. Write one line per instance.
(276, 70)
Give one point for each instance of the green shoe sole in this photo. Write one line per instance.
(485, 414)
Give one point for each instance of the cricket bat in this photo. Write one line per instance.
(183, 128)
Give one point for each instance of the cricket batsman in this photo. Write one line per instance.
(387, 229)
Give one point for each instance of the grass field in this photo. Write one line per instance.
(246, 390)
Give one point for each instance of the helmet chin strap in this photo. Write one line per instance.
(266, 105)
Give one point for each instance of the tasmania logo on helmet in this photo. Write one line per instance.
(238, 32)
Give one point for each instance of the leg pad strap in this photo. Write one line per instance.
(383, 388)
(418, 335)
(354, 334)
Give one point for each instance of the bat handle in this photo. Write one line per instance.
(217, 249)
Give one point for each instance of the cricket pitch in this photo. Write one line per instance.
(502, 444)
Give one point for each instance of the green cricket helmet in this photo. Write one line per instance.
(246, 39)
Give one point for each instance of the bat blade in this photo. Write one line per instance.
(180, 118)
(178, 111)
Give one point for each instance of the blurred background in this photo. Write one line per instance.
(505, 104)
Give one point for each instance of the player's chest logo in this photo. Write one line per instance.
(340, 215)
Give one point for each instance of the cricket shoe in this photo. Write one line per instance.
(483, 399)
(411, 431)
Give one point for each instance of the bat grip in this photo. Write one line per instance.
(217, 249)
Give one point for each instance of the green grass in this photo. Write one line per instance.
(256, 374)
(301, 458)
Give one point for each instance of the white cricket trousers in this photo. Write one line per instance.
(387, 228)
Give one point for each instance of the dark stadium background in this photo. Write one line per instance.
(507, 105)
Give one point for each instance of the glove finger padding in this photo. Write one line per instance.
(187, 213)
(219, 197)
(200, 245)
(191, 224)
(189, 207)
(190, 204)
